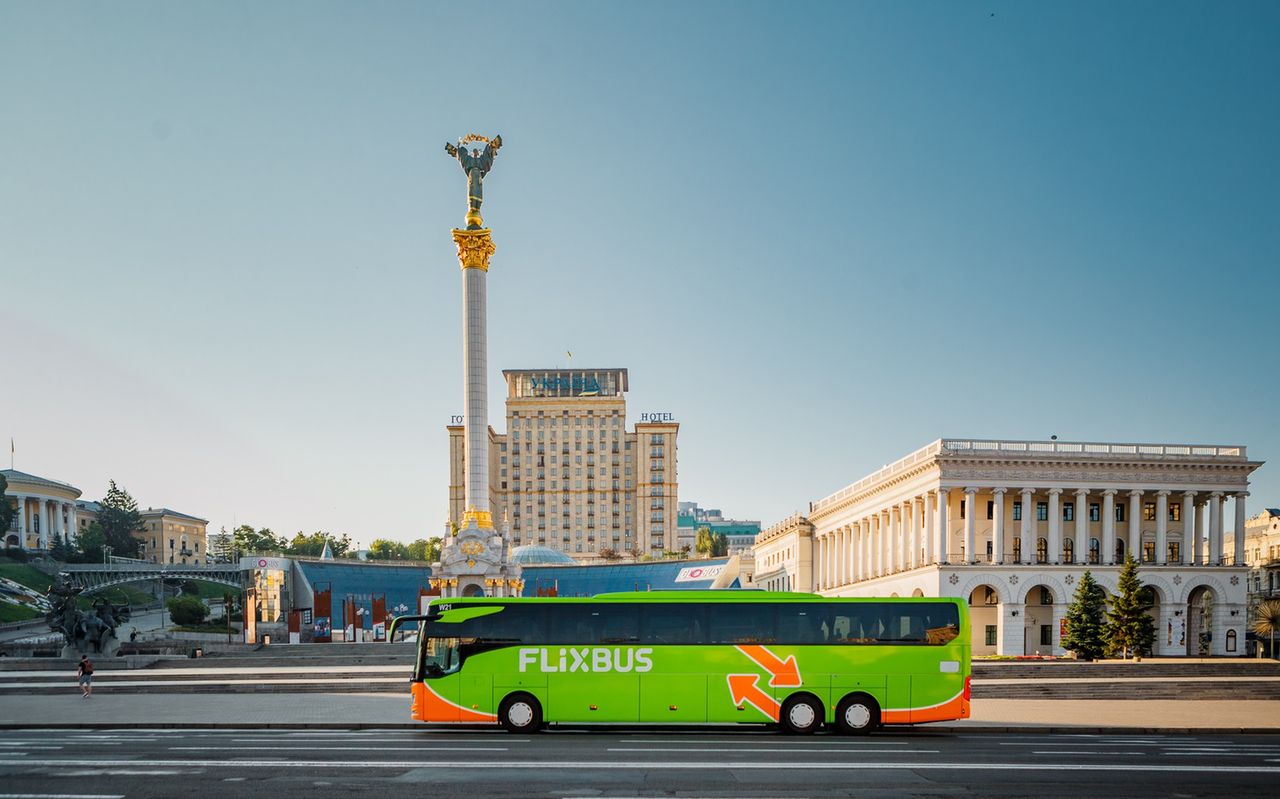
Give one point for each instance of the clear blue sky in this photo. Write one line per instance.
(820, 234)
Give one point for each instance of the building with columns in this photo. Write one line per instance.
(45, 511)
(1011, 525)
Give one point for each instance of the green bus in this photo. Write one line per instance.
(798, 660)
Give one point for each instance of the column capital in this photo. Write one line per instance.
(1053, 492)
(1189, 494)
(998, 491)
(942, 490)
(1164, 492)
(971, 491)
(474, 248)
(1026, 491)
(1135, 493)
(1110, 492)
(1216, 494)
(1082, 492)
(1241, 494)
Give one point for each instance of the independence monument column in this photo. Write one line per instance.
(475, 560)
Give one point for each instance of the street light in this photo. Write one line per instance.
(106, 554)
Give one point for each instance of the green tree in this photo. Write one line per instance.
(427, 549)
(1129, 630)
(1085, 619)
(705, 542)
(119, 519)
(250, 541)
(187, 611)
(6, 513)
(222, 546)
(91, 541)
(1266, 621)
(312, 546)
(385, 549)
(63, 551)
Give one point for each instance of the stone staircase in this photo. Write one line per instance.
(1233, 678)
(385, 668)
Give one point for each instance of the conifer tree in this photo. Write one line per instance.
(1129, 630)
(1085, 620)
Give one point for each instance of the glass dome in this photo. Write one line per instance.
(534, 555)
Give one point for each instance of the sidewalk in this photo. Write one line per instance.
(380, 710)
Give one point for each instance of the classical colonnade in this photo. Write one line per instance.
(43, 516)
(916, 532)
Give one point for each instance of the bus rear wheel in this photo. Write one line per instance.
(857, 714)
(801, 714)
(520, 713)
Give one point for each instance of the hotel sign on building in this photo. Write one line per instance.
(1012, 525)
(568, 474)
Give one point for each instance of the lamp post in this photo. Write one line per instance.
(106, 554)
(358, 630)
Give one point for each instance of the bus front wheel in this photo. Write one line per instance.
(857, 714)
(801, 714)
(520, 713)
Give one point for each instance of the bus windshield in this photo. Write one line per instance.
(439, 656)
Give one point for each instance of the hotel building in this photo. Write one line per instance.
(568, 475)
(1011, 526)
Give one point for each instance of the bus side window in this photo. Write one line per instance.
(672, 624)
(803, 624)
(745, 623)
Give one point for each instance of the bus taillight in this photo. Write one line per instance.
(968, 688)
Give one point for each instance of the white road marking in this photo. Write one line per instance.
(612, 765)
(343, 748)
(61, 796)
(757, 739)
(769, 750)
(1090, 753)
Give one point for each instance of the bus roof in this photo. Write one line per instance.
(699, 596)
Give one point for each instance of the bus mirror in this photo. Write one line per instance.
(399, 621)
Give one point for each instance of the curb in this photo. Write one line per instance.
(909, 730)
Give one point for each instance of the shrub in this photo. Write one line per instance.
(187, 610)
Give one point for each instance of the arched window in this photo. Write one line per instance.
(1068, 551)
(1095, 549)
(1042, 550)
(1119, 550)
(1231, 640)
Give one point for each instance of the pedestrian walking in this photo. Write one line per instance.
(85, 673)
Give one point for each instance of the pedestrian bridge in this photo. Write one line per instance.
(94, 577)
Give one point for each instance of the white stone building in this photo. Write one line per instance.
(1045, 512)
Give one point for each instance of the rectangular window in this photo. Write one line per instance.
(1068, 511)
(1148, 552)
(1042, 511)
(962, 508)
(1046, 635)
(991, 508)
(1017, 511)
(1149, 511)
(1175, 552)
(991, 635)
(1119, 513)
(1095, 512)
(1175, 512)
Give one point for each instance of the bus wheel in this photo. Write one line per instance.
(857, 714)
(801, 714)
(520, 713)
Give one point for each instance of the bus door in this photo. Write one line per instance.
(676, 688)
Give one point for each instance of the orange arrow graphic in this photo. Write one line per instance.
(744, 688)
(783, 673)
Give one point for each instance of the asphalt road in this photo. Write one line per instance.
(285, 764)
